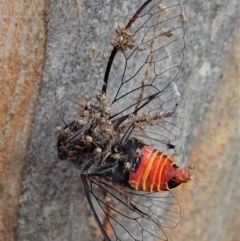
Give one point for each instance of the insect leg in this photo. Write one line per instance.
(63, 120)
(127, 134)
(84, 128)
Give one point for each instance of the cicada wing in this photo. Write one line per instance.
(94, 199)
(164, 124)
(153, 61)
(142, 80)
(128, 215)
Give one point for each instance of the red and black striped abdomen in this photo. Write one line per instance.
(157, 172)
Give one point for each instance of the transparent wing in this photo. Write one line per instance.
(163, 124)
(141, 79)
(127, 215)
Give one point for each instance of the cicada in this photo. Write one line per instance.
(125, 140)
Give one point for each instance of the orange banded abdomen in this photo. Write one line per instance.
(157, 172)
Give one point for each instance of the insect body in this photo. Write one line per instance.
(157, 172)
(122, 143)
